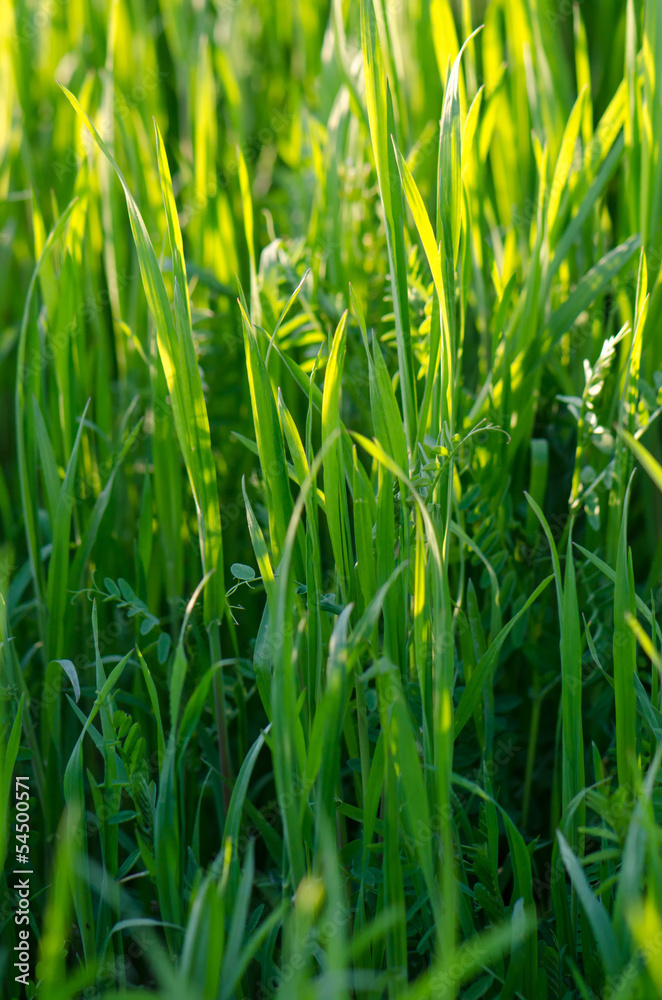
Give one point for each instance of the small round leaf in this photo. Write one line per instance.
(242, 572)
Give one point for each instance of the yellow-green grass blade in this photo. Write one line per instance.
(313, 557)
(590, 286)
(330, 735)
(283, 686)
(26, 480)
(271, 448)
(203, 464)
(335, 492)
(573, 230)
(184, 384)
(564, 161)
(445, 295)
(247, 205)
(365, 517)
(262, 662)
(58, 569)
(383, 404)
(643, 455)
(381, 126)
(443, 678)
(449, 180)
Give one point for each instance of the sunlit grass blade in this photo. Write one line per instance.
(378, 100)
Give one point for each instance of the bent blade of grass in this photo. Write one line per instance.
(556, 563)
(237, 965)
(495, 603)
(154, 702)
(286, 308)
(473, 957)
(261, 551)
(637, 851)
(469, 129)
(237, 800)
(644, 610)
(603, 931)
(645, 643)
(589, 286)
(178, 672)
(101, 503)
(48, 463)
(472, 693)
(238, 904)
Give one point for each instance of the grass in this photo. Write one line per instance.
(331, 495)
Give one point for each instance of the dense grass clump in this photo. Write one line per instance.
(330, 511)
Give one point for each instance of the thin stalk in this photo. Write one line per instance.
(531, 753)
(225, 763)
